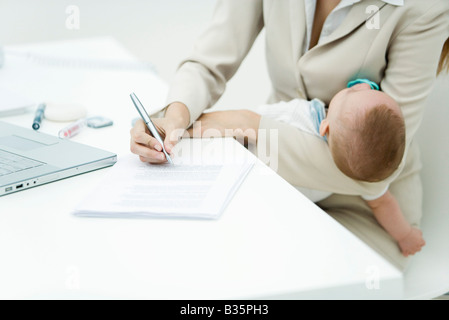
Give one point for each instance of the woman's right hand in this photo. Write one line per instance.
(171, 128)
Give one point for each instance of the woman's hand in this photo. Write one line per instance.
(171, 128)
(241, 124)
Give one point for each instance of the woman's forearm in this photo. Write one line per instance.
(241, 124)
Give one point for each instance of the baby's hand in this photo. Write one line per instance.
(412, 243)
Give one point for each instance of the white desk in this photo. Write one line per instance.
(271, 242)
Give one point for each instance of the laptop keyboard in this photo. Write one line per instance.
(12, 163)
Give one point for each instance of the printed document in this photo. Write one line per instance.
(136, 189)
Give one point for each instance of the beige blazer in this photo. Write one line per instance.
(402, 55)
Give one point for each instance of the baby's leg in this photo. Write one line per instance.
(389, 215)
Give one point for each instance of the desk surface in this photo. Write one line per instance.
(271, 242)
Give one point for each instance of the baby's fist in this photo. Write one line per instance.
(412, 243)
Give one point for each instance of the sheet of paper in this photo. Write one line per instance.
(12, 103)
(89, 77)
(136, 189)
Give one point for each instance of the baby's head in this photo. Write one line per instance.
(366, 133)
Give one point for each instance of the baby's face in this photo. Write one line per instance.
(349, 102)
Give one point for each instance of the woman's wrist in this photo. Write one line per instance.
(179, 114)
(251, 123)
(253, 120)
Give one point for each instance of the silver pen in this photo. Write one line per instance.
(146, 118)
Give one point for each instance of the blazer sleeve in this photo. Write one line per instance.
(201, 79)
(413, 59)
(413, 56)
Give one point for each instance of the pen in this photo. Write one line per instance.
(146, 118)
(39, 115)
(72, 129)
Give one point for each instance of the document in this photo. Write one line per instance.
(134, 189)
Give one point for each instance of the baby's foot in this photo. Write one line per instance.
(412, 243)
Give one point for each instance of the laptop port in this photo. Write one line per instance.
(8, 189)
(19, 186)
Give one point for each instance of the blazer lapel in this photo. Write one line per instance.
(357, 16)
(298, 27)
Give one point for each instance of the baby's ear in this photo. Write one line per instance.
(324, 127)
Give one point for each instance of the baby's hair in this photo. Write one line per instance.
(372, 149)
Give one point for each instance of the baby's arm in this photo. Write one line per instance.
(389, 215)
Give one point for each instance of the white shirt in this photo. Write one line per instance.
(334, 19)
(299, 113)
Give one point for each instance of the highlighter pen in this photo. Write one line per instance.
(72, 129)
(146, 118)
(38, 116)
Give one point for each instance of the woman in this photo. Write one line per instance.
(313, 49)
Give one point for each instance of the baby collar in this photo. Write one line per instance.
(318, 112)
(373, 85)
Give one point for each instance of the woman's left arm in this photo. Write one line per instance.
(413, 62)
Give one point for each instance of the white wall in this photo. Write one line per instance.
(160, 31)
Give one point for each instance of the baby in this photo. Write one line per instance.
(365, 131)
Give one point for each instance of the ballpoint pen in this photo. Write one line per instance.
(146, 118)
(39, 115)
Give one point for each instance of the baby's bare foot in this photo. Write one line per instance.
(412, 243)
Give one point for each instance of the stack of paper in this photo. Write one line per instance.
(78, 71)
(135, 189)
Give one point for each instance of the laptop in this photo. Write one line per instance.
(29, 159)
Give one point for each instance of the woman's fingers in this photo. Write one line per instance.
(148, 141)
(147, 147)
(140, 134)
(144, 145)
(151, 160)
(146, 154)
